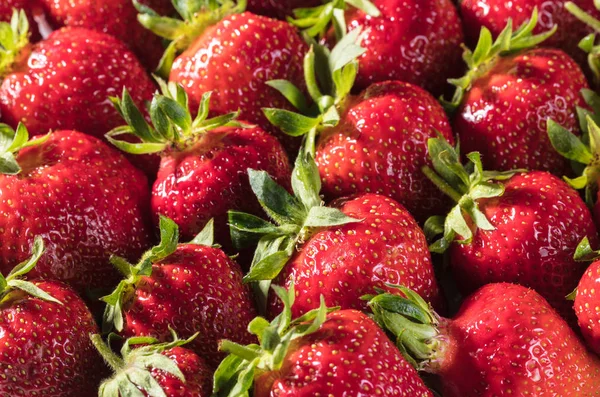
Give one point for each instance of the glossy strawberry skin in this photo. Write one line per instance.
(234, 59)
(508, 338)
(85, 200)
(45, 348)
(587, 306)
(197, 374)
(380, 147)
(348, 355)
(504, 114)
(211, 178)
(195, 289)
(539, 222)
(344, 263)
(416, 41)
(279, 8)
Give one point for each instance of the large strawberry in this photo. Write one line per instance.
(524, 228)
(157, 369)
(340, 353)
(340, 252)
(189, 288)
(233, 55)
(505, 99)
(415, 41)
(80, 195)
(374, 142)
(45, 349)
(506, 340)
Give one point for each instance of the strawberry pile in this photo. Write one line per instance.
(221, 198)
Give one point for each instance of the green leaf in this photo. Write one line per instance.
(346, 51)
(434, 226)
(245, 228)
(9, 164)
(206, 236)
(365, 6)
(567, 144)
(585, 252)
(275, 200)
(144, 380)
(169, 238)
(14, 37)
(291, 93)
(37, 250)
(326, 216)
(306, 181)
(179, 115)
(32, 290)
(269, 267)
(293, 124)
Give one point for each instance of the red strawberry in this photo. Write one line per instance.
(588, 43)
(506, 340)
(341, 353)
(188, 288)
(278, 8)
(587, 306)
(232, 55)
(203, 172)
(505, 100)
(341, 252)
(44, 328)
(153, 368)
(523, 229)
(81, 196)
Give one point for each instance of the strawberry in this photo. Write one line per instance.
(157, 369)
(374, 142)
(506, 340)
(231, 54)
(588, 43)
(340, 353)
(340, 252)
(278, 8)
(192, 287)
(44, 328)
(523, 228)
(504, 101)
(203, 172)
(82, 197)
(415, 41)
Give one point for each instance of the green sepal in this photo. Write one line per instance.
(572, 295)
(588, 43)
(584, 251)
(487, 51)
(206, 236)
(14, 37)
(11, 142)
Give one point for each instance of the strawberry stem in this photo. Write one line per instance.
(113, 360)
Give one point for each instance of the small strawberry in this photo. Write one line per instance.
(340, 353)
(504, 101)
(44, 345)
(190, 288)
(82, 197)
(203, 172)
(414, 41)
(506, 340)
(278, 8)
(524, 228)
(340, 252)
(218, 49)
(155, 369)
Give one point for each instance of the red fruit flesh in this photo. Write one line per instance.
(279, 8)
(539, 221)
(198, 376)
(84, 199)
(348, 355)
(195, 289)
(45, 347)
(504, 114)
(346, 262)
(380, 146)
(507, 340)
(416, 41)
(587, 306)
(234, 59)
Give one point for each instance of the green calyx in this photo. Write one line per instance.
(169, 238)
(487, 52)
(236, 373)
(132, 368)
(588, 43)
(315, 21)
(14, 37)
(584, 151)
(196, 17)
(13, 280)
(11, 142)
(173, 127)
(329, 77)
(465, 185)
(411, 321)
(584, 252)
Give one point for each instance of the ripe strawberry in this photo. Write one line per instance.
(232, 55)
(189, 288)
(415, 41)
(340, 353)
(504, 101)
(340, 252)
(81, 196)
(522, 229)
(203, 172)
(505, 340)
(375, 142)
(44, 343)
(587, 306)
(278, 8)
(153, 368)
